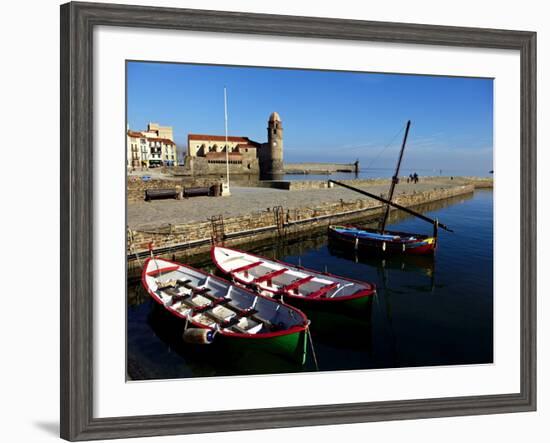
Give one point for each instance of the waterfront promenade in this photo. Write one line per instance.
(248, 200)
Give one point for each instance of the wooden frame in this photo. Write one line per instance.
(77, 23)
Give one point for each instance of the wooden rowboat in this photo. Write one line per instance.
(390, 242)
(215, 310)
(298, 286)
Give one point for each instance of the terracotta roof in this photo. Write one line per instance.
(221, 138)
(134, 133)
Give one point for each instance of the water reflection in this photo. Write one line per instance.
(345, 330)
(424, 265)
(213, 359)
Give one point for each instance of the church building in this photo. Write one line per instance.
(207, 153)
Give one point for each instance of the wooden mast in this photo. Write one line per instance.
(435, 222)
(395, 179)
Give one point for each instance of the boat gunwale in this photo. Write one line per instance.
(419, 237)
(262, 335)
(360, 294)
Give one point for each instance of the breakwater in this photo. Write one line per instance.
(320, 168)
(301, 185)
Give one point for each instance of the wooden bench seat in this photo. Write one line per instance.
(246, 268)
(217, 301)
(297, 283)
(269, 276)
(322, 291)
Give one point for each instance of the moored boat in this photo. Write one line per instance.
(390, 242)
(301, 287)
(214, 310)
(382, 240)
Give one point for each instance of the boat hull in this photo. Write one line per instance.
(271, 355)
(349, 302)
(292, 346)
(358, 239)
(353, 305)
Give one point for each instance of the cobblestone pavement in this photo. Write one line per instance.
(245, 200)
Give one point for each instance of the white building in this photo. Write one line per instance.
(151, 148)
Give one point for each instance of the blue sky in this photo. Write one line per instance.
(328, 116)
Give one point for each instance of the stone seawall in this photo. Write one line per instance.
(300, 185)
(318, 168)
(195, 237)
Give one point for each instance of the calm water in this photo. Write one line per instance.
(427, 311)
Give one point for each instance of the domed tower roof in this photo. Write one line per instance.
(274, 117)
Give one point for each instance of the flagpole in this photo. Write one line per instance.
(226, 142)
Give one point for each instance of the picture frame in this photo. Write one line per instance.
(77, 217)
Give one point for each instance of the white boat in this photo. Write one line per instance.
(297, 285)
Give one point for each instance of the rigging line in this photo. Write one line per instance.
(364, 145)
(385, 147)
(308, 333)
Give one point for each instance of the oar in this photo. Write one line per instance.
(395, 205)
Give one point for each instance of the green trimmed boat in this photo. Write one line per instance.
(214, 310)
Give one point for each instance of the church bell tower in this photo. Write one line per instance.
(272, 167)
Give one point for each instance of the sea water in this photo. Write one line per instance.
(427, 311)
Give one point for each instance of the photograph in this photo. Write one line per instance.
(297, 220)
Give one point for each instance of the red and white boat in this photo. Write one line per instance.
(298, 286)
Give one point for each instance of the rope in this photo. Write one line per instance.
(216, 330)
(385, 147)
(308, 333)
(186, 322)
